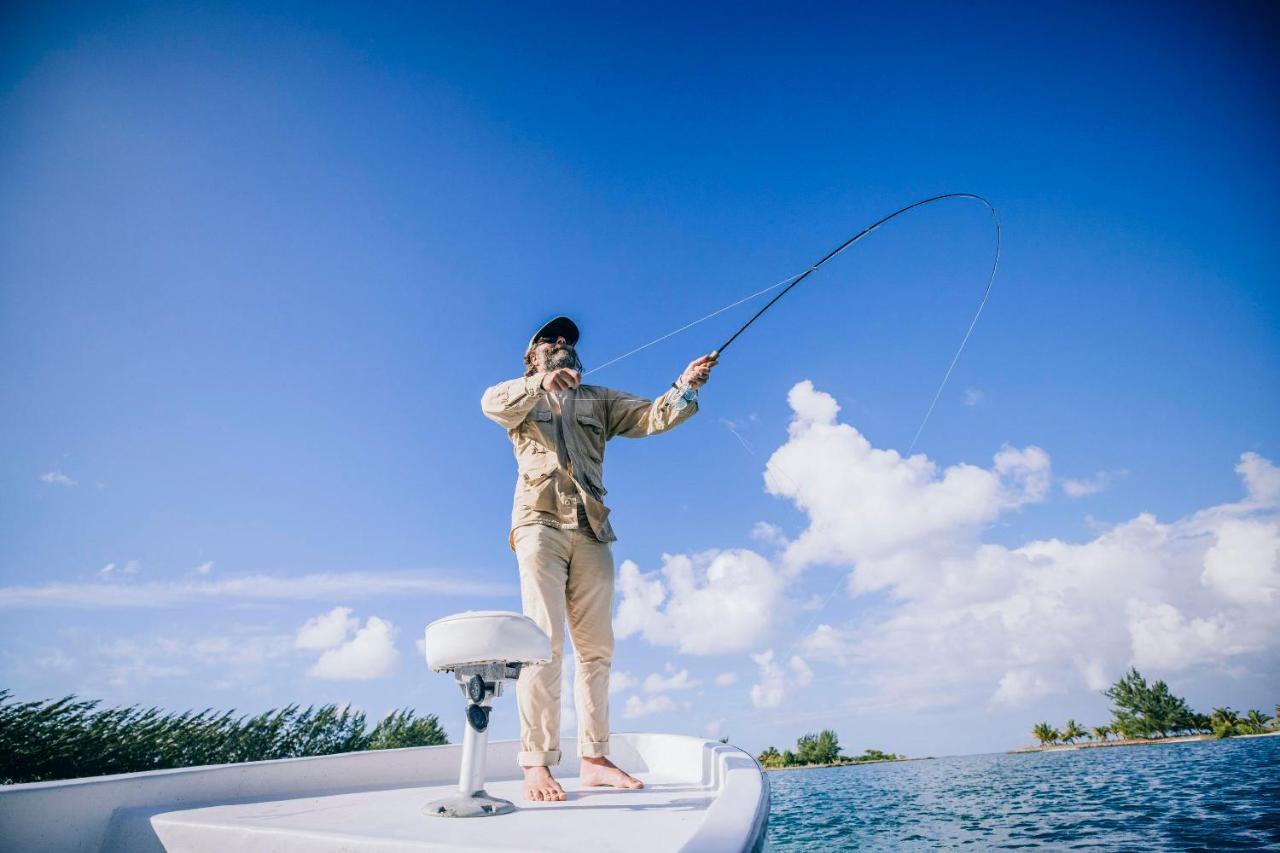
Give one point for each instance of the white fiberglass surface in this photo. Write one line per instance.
(664, 814)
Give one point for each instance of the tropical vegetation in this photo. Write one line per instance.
(69, 737)
(1142, 711)
(821, 750)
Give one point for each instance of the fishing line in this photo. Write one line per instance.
(790, 282)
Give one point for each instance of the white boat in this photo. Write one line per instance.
(699, 795)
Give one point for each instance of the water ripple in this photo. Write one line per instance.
(1218, 795)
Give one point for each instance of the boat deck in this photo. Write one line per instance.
(601, 819)
(700, 797)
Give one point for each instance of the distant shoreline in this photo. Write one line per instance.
(850, 763)
(1066, 747)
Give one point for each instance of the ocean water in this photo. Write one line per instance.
(1216, 795)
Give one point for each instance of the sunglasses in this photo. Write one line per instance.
(551, 339)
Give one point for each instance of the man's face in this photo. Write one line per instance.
(555, 353)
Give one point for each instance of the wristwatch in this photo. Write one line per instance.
(688, 393)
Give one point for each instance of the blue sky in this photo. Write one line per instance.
(258, 262)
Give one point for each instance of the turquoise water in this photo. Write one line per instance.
(1218, 795)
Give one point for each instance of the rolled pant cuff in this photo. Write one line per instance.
(547, 758)
(590, 749)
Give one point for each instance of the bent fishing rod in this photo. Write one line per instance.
(792, 281)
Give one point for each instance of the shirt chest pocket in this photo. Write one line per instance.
(591, 432)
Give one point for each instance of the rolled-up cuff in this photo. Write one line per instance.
(549, 758)
(593, 749)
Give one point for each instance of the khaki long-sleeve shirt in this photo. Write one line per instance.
(559, 445)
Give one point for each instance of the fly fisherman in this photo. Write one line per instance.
(560, 532)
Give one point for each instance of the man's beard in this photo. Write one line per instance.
(559, 357)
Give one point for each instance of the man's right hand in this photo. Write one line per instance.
(561, 380)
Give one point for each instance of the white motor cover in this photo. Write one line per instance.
(485, 636)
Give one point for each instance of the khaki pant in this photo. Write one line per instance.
(565, 572)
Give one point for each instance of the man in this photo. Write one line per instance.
(560, 532)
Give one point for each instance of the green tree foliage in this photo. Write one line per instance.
(1256, 722)
(1071, 731)
(1045, 733)
(822, 748)
(1226, 722)
(789, 759)
(68, 738)
(770, 758)
(1143, 710)
(1101, 732)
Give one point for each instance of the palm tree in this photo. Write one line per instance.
(1101, 732)
(770, 758)
(1045, 733)
(1256, 721)
(1072, 731)
(1226, 722)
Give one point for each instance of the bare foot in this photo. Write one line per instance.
(540, 786)
(601, 772)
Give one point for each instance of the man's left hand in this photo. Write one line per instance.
(699, 370)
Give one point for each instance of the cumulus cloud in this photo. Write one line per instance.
(371, 653)
(958, 619)
(870, 507)
(620, 681)
(204, 568)
(725, 679)
(326, 630)
(658, 683)
(57, 478)
(776, 680)
(707, 603)
(1261, 479)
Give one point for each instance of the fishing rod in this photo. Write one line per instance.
(793, 280)
(718, 351)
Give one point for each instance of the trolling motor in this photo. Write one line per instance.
(482, 648)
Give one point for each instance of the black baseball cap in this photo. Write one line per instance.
(557, 327)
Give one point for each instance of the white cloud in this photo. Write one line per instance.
(725, 679)
(371, 653)
(57, 478)
(637, 707)
(204, 568)
(110, 570)
(326, 630)
(1080, 488)
(775, 681)
(868, 507)
(972, 396)
(1097, 483)
(960, 620)
(1243, 564)
(708, 603)
(769, 534)
(1261, 479)
(620, 681)
(657, 683)
(349, 585)
(713, 728)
